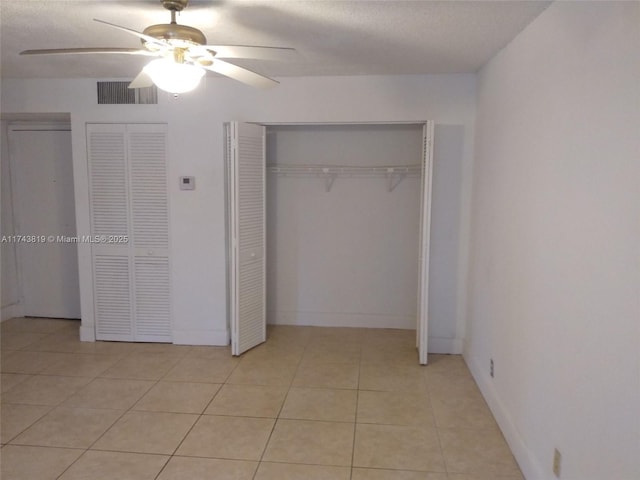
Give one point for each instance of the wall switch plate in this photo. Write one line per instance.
(557, 462)
(187, 183)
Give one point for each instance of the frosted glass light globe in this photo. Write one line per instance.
(174, 77)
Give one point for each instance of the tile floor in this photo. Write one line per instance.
(311, 403)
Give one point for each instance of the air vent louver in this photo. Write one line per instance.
(119, 93)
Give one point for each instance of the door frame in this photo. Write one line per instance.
(61, 125)
(422, 314)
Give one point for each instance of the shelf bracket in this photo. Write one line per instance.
(394, 179)
(329, 178)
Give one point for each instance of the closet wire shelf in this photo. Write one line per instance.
(394, 174)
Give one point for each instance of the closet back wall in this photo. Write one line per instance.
(349, 256)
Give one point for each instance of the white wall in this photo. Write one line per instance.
(196, 148)
(554, 276)
(9, 283)
(347, 257)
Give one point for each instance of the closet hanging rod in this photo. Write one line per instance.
(393, 173)
(343, 170)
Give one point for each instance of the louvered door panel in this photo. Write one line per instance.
(108, 179)
(112, 297)
(422, 329)
(248, 309)
(149, 202)
(152, 299)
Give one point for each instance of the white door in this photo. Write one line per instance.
(245, 154)
(423, 254)
(129, 203)
(44, 206)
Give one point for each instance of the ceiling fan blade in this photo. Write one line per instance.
(67, 51)
(141, 35)
(143, 80)
(241, 74)
(249, 51)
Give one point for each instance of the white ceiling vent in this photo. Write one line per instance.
(119, 93)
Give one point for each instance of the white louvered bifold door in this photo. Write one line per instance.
(109, 206)
(129, 201)
(147, 155)
(246, 166)
(425, 234)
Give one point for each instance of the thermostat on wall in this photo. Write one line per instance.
(187, 183)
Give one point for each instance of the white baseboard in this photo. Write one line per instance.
(11, 311)
(201, 337)
(354, 320)
(531, 469)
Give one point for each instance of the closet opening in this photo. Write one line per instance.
(345, 227)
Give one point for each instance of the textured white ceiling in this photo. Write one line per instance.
(337, 37)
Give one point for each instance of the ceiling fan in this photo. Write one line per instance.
(183, 55)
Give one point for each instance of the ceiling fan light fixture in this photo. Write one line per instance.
(174, 77)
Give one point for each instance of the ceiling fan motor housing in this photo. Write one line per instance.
(175, 32)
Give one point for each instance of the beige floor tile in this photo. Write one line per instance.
(166, 348)
(94, 465)
(394, 408)
(277, 373)
(80, 365)
(323, 353)
(237, 438)
(29, 362)
(458, 403)
(384, 336)
(17, 340)
(274, 352)
(44, 390)
(178, 397)
(69, 342)
(212, 353)
(320, 404)
(375, 474)
(398, 447)
(187, 468)
(202, 370)
(14, 419)
(392, 378)
(31, 463)
(142, 366)
(10, 380)
(289, 471)
(68, 427)
(463, 476)
(338, 334)
(327, 375)
(396, 354)
(477, 452)
(248, 401)
(311, 442)
(38, 325)
(116, 393)
(447, 365)
(147, 432)
(462, 412)
(444, 386)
